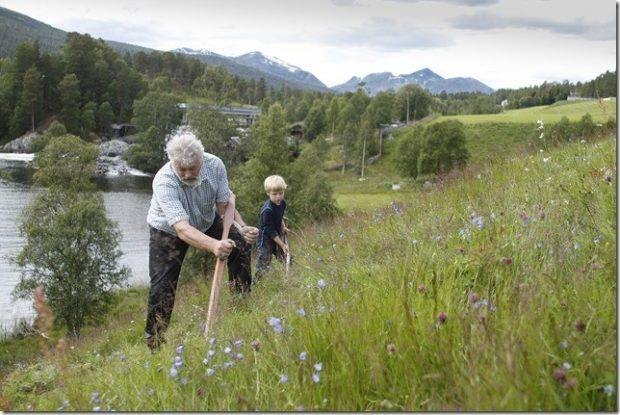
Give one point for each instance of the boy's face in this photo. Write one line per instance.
(276, 196)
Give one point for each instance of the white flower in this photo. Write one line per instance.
(546, 159)
(283, 379)
(609, 389)
(566, 366)
(210, 372)
(321, 283)
(303, 355)
(318, 367)
(316, 378)
(301, 312)
(227, 350)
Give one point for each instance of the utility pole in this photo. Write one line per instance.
(363, 155)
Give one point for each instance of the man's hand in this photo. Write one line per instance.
(250, 233)
(285, 249)
(223, 248)
(285, 229)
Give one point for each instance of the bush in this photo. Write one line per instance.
(437, 149)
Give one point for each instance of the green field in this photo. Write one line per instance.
(495, 291)
(574, 110)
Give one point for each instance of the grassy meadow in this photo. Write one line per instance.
(573, 110)
(494, 289)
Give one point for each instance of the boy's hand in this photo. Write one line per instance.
(250, 233)
(223, 248)
(285, 229)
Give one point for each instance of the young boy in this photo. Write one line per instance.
(272, 226)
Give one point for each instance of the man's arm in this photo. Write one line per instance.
(197, 239)
(249, 233)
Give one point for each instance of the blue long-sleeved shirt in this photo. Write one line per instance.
(271, 218)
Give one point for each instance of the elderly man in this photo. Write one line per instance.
(187, 191)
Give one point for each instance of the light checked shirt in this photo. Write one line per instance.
(174, 201)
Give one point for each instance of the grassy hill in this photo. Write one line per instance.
(574, 110)
(495, 290)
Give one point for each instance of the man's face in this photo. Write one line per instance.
(189, 175)
(276, 196)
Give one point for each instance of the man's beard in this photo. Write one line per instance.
(193, 182)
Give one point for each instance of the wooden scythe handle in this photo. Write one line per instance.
(229, 216)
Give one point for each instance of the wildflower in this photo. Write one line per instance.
(414, 242)
(276, 324)
(173, 372)
(473, 298)
(391, 349)
(564, 345)
(147, 364)
(539, 245)
(507, 261)
(321, 308)
(318, 367)
(283, 379)
(321, 283)
(211, 353)
(442, 317)
(205, 361)
(94, 397)
(580, 326)
(96, 409)
(184, 380)
(576, 245)
(478, 221)
(341, 235)
(150, 391)
(212, 341)
(566, 366)
(238, 343)
(228, 365)
(255, 345)
(609, 389)
(178, 362)
(227, 350)
(465, 234)
(597, 239)
(122, 358)
(239, 356)
(301, 312)
(559, 374)
(303, 355)
(422, 288)
(316, 378)
(180, 349)
(546, 159)
(210, 372)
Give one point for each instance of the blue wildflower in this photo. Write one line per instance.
(303, 355)
(227, 350)
(238, 343)
(239, 356)
(276, 324)
(321, 283)
(301, 312)
(210, 372)
(609, 389)
(318, 367)
(211, 353)
(184, 380)
(173, 372)
(316, 378)
(180, 349)
(283, 379)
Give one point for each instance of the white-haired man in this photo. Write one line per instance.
(187, 192)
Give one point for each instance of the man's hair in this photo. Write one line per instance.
(274, 183)
(185, 150)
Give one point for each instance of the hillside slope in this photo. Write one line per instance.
(495, 291)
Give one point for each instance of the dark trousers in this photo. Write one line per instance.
(166, 254)
(266, 248)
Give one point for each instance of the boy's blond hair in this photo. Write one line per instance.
(274, 183)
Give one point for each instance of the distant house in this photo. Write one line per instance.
(574, 97)
(504, 103)
(122, 130)
(240, 116)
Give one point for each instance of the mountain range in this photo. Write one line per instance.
(16, 28)
(427, 79)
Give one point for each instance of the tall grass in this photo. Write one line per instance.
(490, 291)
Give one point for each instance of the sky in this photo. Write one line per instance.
(503, 43)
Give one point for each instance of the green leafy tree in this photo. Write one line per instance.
(32, 94)
(105, 118)
(214, 130)
(315, 122)
(411, 103)
(436, 149)
(149, 152)
(87, 120)
(71, 246)
(69, 89)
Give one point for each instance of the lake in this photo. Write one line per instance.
(127, 200)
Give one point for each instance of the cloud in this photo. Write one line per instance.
(471, 3)
(141, 34)
(386, 35)
(578, 27)
(344, 3)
